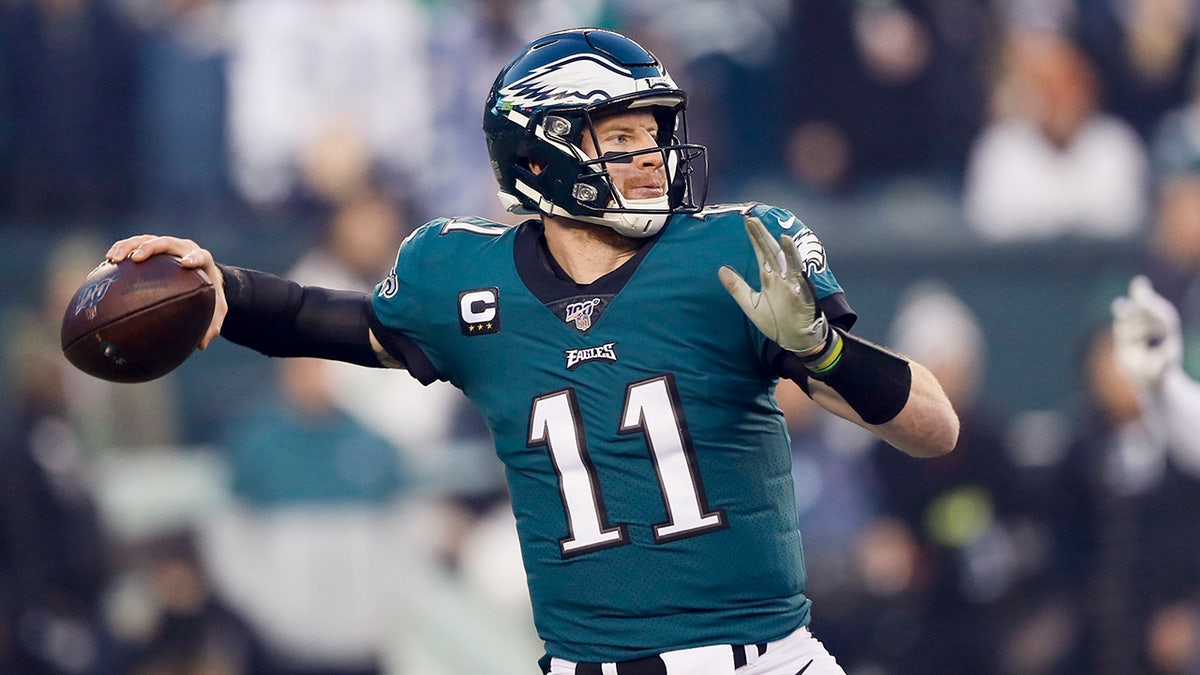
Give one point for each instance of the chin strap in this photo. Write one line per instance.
(513, 205)
(635, 225)
(638, 225)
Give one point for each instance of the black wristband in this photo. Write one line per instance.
(872, 380)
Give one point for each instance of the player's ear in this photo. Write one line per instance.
(536, 166)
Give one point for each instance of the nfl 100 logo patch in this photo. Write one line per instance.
(580, 313)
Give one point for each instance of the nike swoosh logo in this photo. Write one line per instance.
(787, 225)
(801, 671)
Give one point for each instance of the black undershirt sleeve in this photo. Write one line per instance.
(279, 317)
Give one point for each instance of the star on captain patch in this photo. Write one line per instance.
(479, 311)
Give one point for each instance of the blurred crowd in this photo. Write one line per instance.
(1023, 157)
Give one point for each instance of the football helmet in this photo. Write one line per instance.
(545, 100)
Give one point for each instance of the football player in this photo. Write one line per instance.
(624, 365)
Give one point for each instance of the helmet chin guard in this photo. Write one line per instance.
(638, 219)
(547, 98)
(642, 217)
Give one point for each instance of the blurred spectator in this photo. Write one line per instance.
(182, 57)
(986, 593)
(165, 610)
(1148, 344)
(313, 551)
(54, 565)
(298, 449)
(356, 245)
(875, 90)
(78, 596)
(1052, 162)
(323, 94)
(1148, 347)
(464, 561)
(429, 426)
(1172, 256)
(1145, 53)
(469, 42)
(1175, 138)
(98, 411)
(58, 559)
(722, 52)
(71, 93)
(1145, 576)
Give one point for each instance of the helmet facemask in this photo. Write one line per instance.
(553, 94)
(581, 187)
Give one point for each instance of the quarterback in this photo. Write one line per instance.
(623, 344)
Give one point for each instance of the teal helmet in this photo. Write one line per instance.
(546, 99)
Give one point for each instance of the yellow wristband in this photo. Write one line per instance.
(829, 357)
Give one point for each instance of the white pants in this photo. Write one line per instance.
(796, 654)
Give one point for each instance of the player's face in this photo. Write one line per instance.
(642, 177)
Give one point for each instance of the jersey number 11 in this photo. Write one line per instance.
(652, 408)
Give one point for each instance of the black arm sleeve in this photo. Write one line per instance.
(278, 317)
(872, 380)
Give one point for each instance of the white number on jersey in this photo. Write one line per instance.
(652, 408)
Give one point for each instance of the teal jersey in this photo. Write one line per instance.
(647, 462)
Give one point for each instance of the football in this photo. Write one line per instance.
(134, 322)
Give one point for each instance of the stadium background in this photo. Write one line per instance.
(126, 116)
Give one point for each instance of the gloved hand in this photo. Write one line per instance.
(1147, 338)
(785, 310)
